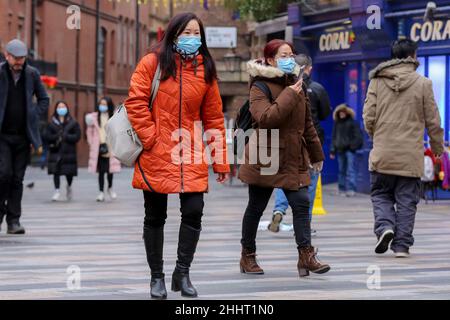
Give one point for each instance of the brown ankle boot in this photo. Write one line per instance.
(307, 262)
(248, 263)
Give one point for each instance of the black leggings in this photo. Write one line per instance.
(57, 180)
(257, 203)
(101, 180)
(191, 207)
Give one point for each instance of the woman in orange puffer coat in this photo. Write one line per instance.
(173, 157)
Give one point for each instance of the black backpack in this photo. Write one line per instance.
(244, 118)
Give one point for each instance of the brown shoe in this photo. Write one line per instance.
(307, 262)
(248, 263)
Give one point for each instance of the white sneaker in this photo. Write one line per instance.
(112, 194)
(402, 254)
(274, 225)
(56, 196)
(340, 193)
(350, 194)
(101, 197)
(69, 193)
(286, 227)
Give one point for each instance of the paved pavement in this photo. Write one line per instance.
(104, 241)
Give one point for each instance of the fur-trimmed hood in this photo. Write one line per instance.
(257, 68)
(398, 74)
(343, 107)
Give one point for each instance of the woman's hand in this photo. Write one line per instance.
(318, 166)
(297, 87)
(222, 177)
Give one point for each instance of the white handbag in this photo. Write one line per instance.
(120, 135)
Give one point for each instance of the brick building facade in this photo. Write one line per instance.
(70, 54)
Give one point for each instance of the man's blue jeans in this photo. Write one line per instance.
(281, 202)
(347, 172)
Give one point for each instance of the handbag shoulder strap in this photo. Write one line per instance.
(155, 86)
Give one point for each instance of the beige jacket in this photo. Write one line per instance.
(399, 106)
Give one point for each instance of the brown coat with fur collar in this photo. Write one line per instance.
(399, 106)
(298, 145)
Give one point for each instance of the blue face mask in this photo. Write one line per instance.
(62, 112)
(102, 108)
(287, 65)
(189, 44)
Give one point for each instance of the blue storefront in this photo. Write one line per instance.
(345, 43)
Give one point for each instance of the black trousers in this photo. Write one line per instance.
(191, 207)
(57, 180)
(259, 198)
(103, 169)
(14, 158)
(101, 180)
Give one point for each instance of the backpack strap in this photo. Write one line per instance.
(264, 88)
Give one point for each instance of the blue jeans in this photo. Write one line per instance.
(347, 171)
(281, 202)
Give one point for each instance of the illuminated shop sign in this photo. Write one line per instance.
(430, 31)
(335, 41)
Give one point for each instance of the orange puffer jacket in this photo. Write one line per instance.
(174, 158)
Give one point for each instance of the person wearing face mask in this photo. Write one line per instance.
(62, 135)
(298, 147)
(172, 160)
(100, 159)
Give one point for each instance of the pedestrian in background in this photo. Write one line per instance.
(399, 106)
(188, 93)
(319, 104)
(62, 135)
(299, 145)
(101, 161)
(19, 128)
(346, 139)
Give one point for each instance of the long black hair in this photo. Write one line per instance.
(166, 55)
(111, 107)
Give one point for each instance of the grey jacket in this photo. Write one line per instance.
(33, 87)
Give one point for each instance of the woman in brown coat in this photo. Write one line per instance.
(298, 148)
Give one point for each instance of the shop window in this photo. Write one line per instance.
(436, 72)
(421, 68)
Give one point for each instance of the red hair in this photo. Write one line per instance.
(272, 47)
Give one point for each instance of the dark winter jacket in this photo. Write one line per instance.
(347, 135)
(319, 103)
(62, 140)
(33, 87)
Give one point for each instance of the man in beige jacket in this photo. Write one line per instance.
(399, 106)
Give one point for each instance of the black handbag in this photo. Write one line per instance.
(103, 149)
